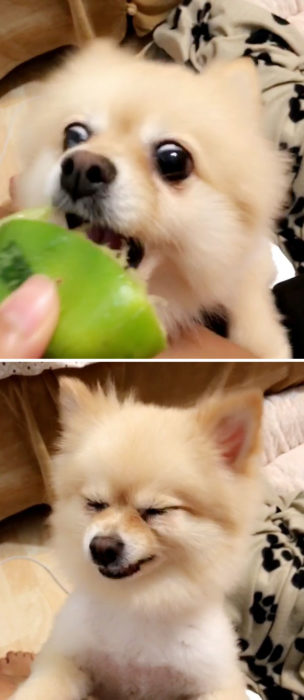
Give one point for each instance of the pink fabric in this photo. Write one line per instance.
(292, 10)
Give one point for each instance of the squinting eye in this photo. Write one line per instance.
(173, 162)
(152, 512)
(75, 133)
(97, 505)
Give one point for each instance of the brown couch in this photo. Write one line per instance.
(29, 419)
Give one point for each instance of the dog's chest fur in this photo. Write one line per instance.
(138, 682)
(136, 656)
(139, 662)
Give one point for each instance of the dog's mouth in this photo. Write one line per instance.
(130, 247)
(124, 571)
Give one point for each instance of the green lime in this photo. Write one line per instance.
(105, 311)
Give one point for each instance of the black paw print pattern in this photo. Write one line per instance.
(290, 227)
(280, 20)
(299, 644)
(290, 230)
(176, 18)
(270, 561)
(266, 666)
(298, 561)
(201, 29)
(263, 609)
(296, 113)
(290, 549)
(296, 556)
(260, 57)
(296, 156)
(178, 12)
(261, 36)
(266, 36)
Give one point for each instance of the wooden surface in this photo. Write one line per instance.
(29, 598)
(29, 28)
(16, 91)
(12, 106)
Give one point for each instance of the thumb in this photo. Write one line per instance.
(28, 318)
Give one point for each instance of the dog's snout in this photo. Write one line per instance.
(83, 173)
(106, 550)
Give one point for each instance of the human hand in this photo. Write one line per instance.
(201, 343)
(28, 318)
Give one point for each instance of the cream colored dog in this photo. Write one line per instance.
(172, 168)
(153, 509)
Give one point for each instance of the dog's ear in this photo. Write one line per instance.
(233, 423)
(74, 396)
(78, 402)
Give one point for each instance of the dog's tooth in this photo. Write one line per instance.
(122, 255)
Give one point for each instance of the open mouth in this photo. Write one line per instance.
(103, 235)
(125, 571)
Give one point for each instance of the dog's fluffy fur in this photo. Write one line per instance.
(206, 239)
(152, 625)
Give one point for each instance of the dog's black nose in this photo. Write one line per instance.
(106, 550)
(84, 173)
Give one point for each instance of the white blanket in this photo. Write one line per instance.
(284, 440)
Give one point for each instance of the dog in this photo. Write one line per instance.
(153, 508)
(171, 170)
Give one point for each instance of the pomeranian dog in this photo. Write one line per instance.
(171, 168)
(153, 507)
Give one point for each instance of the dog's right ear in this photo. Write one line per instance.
(78, 401)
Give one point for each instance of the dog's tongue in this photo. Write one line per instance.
(96, 233)
(102, 235)
(105, 236)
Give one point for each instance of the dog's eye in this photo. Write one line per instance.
(152, 512)
(174, 162)
(96, 505)
(75, 133)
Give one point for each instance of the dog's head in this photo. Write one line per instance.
(154, 504)
(168, 166)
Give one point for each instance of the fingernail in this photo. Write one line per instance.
(26, 308)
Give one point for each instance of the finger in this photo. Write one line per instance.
(28, 318)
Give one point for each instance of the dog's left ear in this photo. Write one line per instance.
(233, 423)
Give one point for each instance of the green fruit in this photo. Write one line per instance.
(39, 214)
(105, 311)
